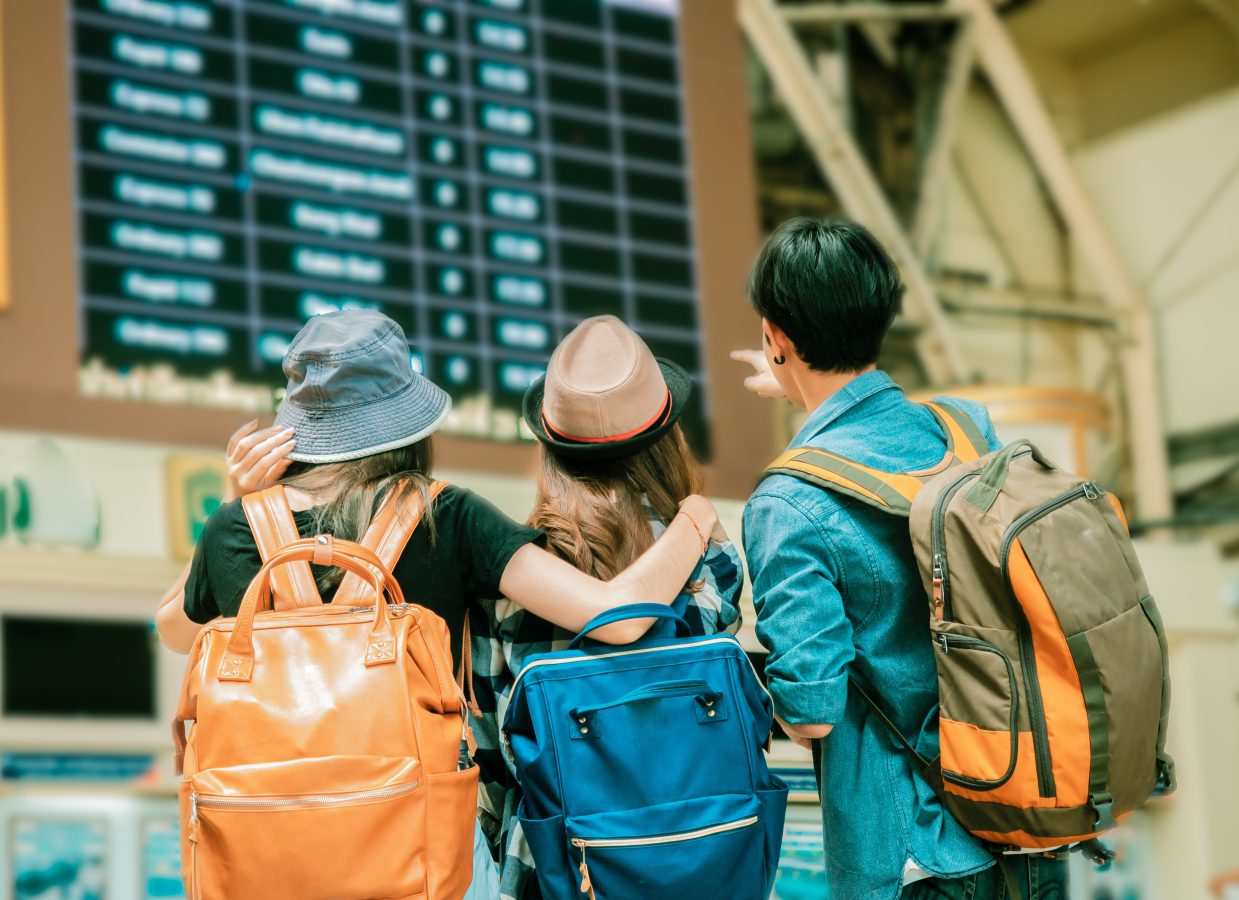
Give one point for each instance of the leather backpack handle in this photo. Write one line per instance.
(238, 661)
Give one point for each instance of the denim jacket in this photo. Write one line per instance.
(837, 593)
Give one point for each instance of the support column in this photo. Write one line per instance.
(1014, 86)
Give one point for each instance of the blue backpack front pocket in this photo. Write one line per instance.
(668, 852)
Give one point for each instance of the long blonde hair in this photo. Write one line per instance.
(596, 514)
(358, 488)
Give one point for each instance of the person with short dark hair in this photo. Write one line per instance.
(832, 286)
(835, 582)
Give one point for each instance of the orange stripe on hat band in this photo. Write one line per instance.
(660, 417)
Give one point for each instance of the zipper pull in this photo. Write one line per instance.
(946, 647)
(587, 886)
(1090, 490)
(939, 593)
(193, 818)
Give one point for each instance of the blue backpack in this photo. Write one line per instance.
(642, 767)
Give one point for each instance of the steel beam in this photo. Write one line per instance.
(870, 12)
(849, 175)
(1016, 90)
(936, 163)
(960, 296)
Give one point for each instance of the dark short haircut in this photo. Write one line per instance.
(831, 288)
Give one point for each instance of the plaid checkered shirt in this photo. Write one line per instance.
(504, 638)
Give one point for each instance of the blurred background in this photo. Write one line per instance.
(184, 182)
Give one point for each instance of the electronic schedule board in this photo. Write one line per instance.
(485, 172)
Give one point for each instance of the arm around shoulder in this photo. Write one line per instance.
(554, 590)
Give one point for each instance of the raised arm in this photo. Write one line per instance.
(554, 590)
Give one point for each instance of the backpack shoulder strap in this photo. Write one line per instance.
(387, 536)
(890, 493)
(389, 532)
(273, 526)
(963, 438)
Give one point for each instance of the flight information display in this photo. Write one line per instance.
(486, 172)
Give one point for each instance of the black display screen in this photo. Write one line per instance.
(486, 172)
(70, 667)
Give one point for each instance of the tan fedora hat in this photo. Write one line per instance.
(605, 395)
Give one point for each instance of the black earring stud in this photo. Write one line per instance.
(779, 360)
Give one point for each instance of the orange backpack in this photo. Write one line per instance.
(325, 757)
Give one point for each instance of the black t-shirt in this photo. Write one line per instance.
(473, 542)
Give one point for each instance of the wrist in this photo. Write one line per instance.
(702, 535)
(702, 512)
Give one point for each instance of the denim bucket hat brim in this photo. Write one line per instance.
(352, 391)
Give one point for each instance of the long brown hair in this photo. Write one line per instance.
(358, 487)
(596, 514)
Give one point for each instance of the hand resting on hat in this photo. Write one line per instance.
(257, 457)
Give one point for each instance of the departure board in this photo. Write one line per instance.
(486, 172)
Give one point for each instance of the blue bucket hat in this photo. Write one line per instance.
(352, 391)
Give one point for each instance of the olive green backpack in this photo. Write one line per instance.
(1052, 665)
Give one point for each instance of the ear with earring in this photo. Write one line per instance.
(778, 360)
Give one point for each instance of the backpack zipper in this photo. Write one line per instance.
(537, 663)
(316, 801)
(605, 843)
(503, 735)
(1028, 660)
(937, 542)
(937, 546)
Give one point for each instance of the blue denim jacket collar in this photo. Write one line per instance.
(848, 396)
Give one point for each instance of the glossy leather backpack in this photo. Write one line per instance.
(325, 756)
